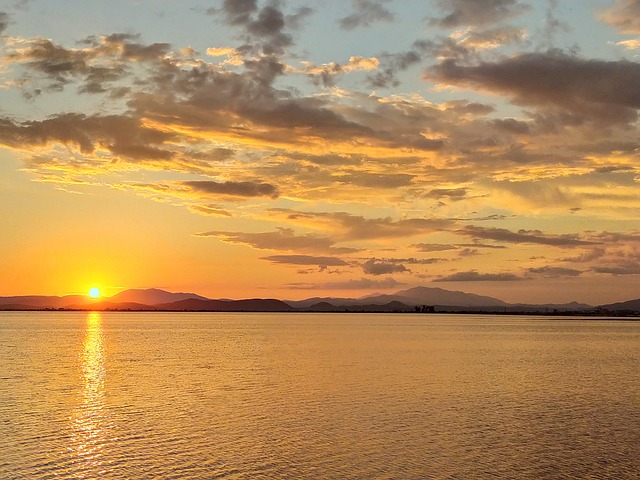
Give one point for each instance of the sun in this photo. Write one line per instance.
(94, 292)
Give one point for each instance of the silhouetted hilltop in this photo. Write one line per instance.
(628, 306)
(248, 305)
(110, 306)
(438, 296)
(43, 301)
(152, 296)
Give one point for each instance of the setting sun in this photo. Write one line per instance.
(94, 292)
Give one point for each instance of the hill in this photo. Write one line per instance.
(247, 305)
(152, 296)
(628, 306)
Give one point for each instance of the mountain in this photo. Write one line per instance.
(630, 306)
(110, 306)
(334, 301)
(152, 296)
(42, 301)
(412, 297)
(439, 296)
(247, 305)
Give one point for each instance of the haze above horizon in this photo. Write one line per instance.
(292, 149)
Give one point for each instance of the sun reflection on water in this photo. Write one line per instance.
(89, 421)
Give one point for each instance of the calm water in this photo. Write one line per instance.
(327, 396)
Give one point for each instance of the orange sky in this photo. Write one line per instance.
(291, 150)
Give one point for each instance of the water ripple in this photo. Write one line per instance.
(219, 396)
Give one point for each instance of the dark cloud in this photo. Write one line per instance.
(238, 12)
(523, 236)
(393, 63)
(378, 267)
(474, 276)
(306, 260)
(453, 194)
(624, 269)
(468, 252)
(101, 62)
(624, 15)
(413, 260)
(284, 239)
(555, 272)
(367, 12)
(596, 90)
(432, 247)
(477, 12)
(240, 189)
(121, 135)
(589, 256)
(4, 21)
(511, 125)
(265, 24)
(295, 20)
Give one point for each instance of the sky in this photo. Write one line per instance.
(290, 149)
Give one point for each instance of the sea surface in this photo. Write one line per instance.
(317, 396)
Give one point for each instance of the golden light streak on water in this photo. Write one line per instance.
(89, 423)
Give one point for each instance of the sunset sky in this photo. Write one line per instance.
(290, 149)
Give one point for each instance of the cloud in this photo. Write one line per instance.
(624, 15)
(432, 247)
(511, 125)
(475, 40)
(453, 194)
(238, 12)
(209, 210)
(633, 44)
(356, 227)
(326, 74)
(477, 12)
(306, 260)
(595, 90)
(239, 189)
(523, 236)
(376, 180)
(284, 239)
(474, 276)
(555, 272)
(624, 269)
(377, 267)
(295, 20)
(4, 21)
(266, 24)
(121, 135)
(593, 254)
(367, 12)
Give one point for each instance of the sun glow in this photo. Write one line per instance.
(94, 292)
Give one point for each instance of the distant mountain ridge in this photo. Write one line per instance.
(152, 296)
(412, 299)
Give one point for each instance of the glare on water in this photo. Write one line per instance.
(89, 417)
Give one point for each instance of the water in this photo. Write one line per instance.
(318, 396)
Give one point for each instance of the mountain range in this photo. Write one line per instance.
(413, 299)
